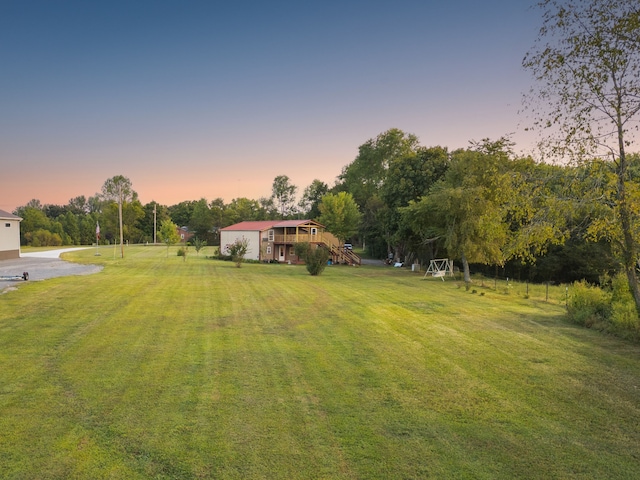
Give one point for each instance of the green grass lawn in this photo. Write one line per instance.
(159, 368)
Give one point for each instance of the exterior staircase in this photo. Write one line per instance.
(343, 255)
(339, 254)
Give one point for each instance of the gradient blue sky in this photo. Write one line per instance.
(193, 99)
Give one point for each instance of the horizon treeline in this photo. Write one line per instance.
(482, 206)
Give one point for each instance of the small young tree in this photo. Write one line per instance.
(238, 250)
(199, 244)
(315, 258)
(184, 251)
(169, 233)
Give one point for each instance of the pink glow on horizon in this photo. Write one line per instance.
(208, 101)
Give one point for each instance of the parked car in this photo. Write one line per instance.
(348, 246)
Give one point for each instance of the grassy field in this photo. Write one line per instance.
(159, 368)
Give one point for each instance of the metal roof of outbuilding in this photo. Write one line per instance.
(8, 216)
(261, 225)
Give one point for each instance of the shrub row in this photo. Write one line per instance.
(609, 308)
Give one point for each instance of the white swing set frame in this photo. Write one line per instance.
(440, 268)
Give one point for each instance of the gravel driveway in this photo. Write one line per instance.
(40, 266)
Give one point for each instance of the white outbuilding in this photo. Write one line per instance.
(9, 235)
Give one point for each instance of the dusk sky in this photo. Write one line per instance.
(193, 99)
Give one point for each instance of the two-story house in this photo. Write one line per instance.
(274, 240)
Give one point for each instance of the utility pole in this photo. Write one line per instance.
(154, 223)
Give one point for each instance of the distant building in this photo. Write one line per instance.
(9, 235)
(184, 234)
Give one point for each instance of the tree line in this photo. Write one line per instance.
(482, 205)
(122, 218)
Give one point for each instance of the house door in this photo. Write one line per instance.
(281, 253)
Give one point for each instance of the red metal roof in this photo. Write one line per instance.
(266, 224)
(252, 226)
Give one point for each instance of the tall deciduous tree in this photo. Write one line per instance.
(182, 212)
(154, 214)
(540, 210)
(365, 178)
(217, 208)
(409, 178)
(201, 220)
(78, 205)
(587, 63)
(340, 214)
(284, 195)
(366, 174)
(311, 198)
(240, 210)
(118, 189)
(466, 209)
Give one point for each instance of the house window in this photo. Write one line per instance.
(314, 231)
(271, 235)
(7, 225)
(269, 250)
(292, 251)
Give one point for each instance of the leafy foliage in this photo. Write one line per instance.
(238, 249)
(284, 194)
(340, 214)
(408, 179)
(201, 219)
(199, 244)
(609, 308)
(169, 233)
(364, 177)
(119, 190)
(311, 198)
(466, 209)
(315, 257)
(43, 238)
(587, 63)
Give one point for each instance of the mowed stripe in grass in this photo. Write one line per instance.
(159, 368)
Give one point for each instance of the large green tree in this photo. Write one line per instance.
(201, 221)
(587, 65)
(217, 208)
(33, 219)
(541, 209)
(364, 177)
(154, 214)
(241, 209)
(466, 210)
(181, 213)
(408, 179)
(340, 214)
